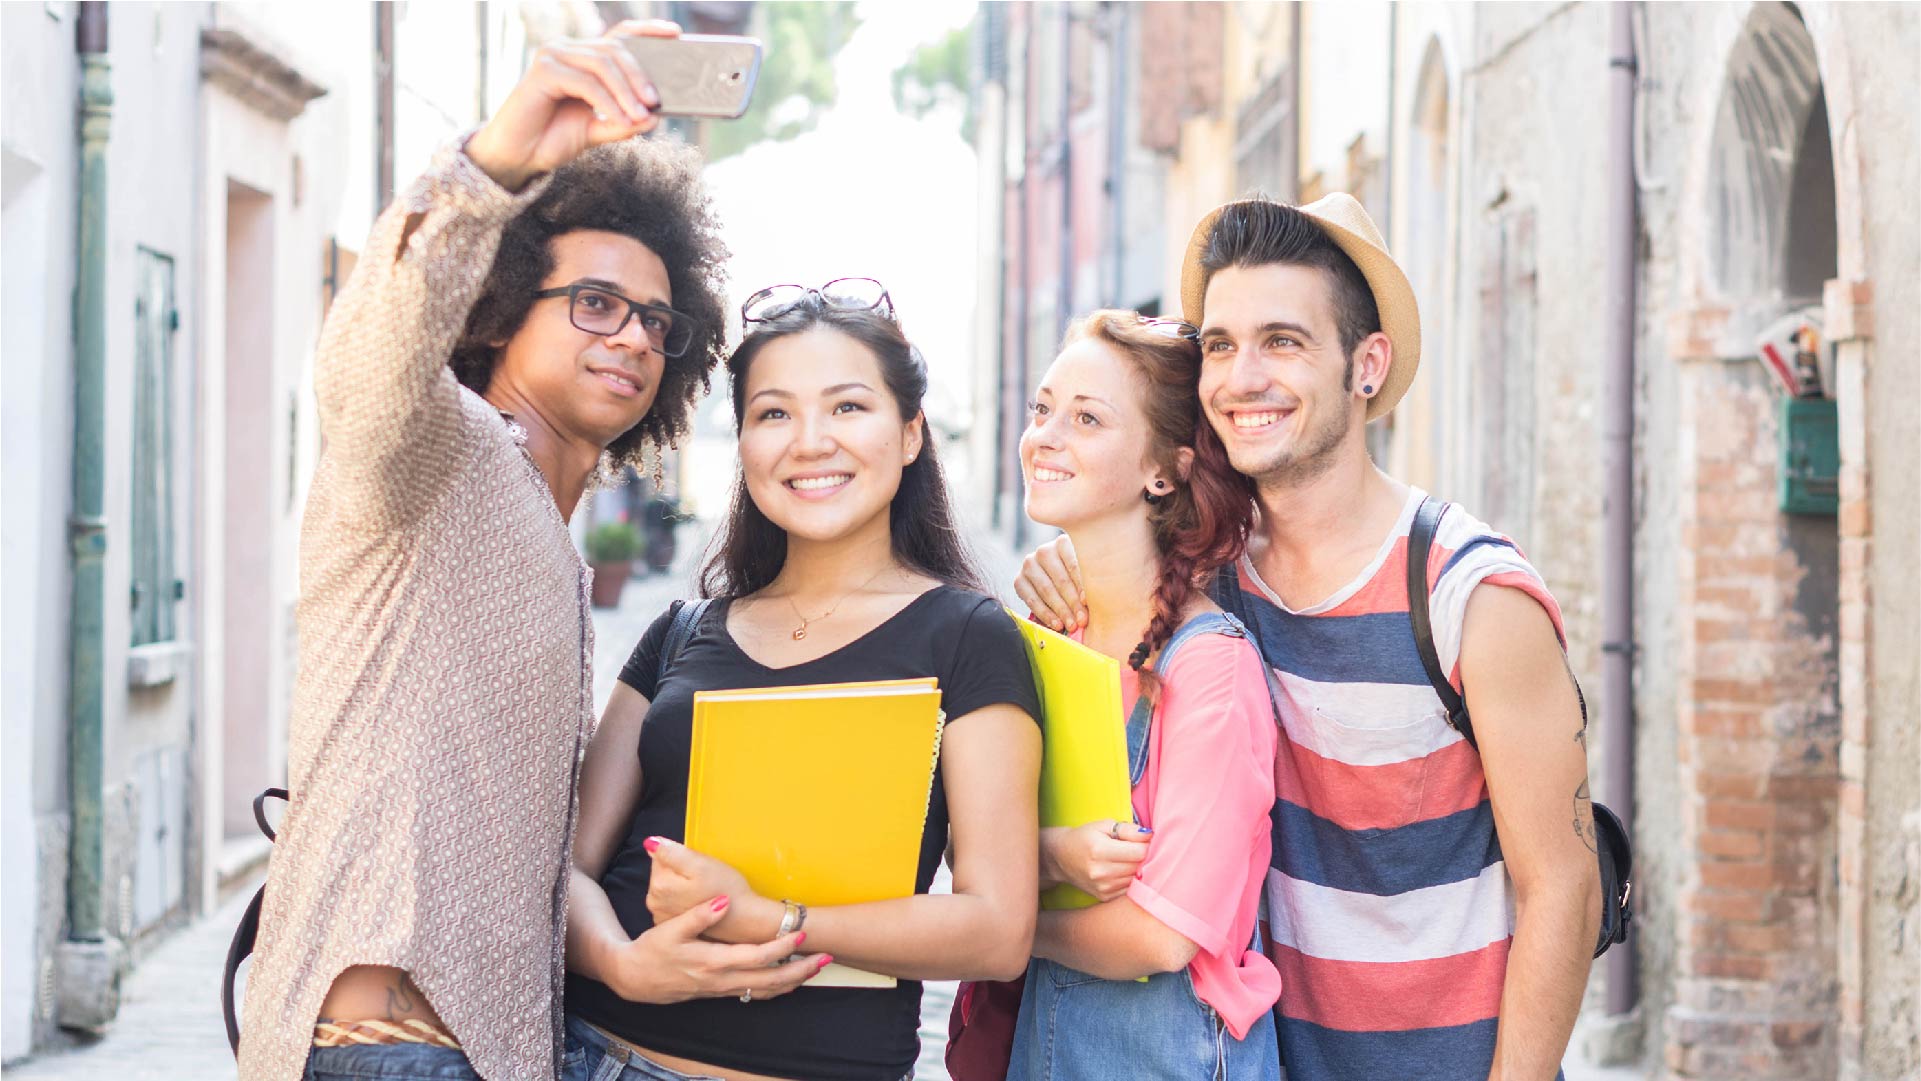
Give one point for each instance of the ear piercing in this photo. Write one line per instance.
(1367, 388)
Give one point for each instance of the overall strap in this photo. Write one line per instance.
(1140, 721)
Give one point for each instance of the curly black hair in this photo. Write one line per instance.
(648, 189)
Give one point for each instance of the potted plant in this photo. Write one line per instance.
(612, 548)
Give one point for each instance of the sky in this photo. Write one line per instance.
(870, 193)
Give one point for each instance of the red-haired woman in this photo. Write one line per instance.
(1117, 455)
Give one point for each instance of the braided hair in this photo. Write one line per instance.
(1203, 522)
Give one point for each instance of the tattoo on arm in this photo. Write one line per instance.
(1584, 817)
(1580, 736)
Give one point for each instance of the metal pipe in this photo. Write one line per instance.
(1024, 296)
(1119, 24)
(1617, 439)
(87, 527)
(383, 104)
(1064, 289)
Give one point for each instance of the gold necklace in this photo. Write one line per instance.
(800, 632)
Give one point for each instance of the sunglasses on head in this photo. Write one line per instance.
(1172, 328)
(848, 294)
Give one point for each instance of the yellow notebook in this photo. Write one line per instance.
(1084, 761)
(816, 794)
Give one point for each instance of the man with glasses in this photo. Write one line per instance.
(543, 302)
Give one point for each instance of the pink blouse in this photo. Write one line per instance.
(1207, 792)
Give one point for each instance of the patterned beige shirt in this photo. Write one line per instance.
(444, 690)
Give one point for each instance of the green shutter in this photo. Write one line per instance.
(155, 588)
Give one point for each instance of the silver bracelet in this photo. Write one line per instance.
(792, 919)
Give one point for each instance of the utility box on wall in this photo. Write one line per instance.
(1810, 456)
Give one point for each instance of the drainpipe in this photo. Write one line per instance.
(384, 105)
(90, 961)
(1617, 438)
(1024, 297)
(1064, 303)
(1119, 23)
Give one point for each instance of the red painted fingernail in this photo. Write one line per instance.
(719, 904)
(826, 959)
(799, 941)
(651, 844)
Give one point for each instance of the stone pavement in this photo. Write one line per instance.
(169, 1027)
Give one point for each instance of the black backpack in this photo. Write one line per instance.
(686, 616)
(1610, 837)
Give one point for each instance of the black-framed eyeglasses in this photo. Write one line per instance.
(851, 294)
(1173, 328)
(599, 310)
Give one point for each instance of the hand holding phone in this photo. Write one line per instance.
(699, 75)
(576, 94)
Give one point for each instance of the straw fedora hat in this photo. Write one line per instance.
(1347, 224)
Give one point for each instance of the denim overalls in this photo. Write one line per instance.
(1077, 1027)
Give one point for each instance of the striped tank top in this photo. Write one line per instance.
(1390, 910)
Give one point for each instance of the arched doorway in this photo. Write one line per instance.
(1757, 918)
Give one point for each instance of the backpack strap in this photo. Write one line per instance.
(248, 932)
(1420, 539)
(687, 616)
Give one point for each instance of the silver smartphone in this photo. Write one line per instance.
(700, 75)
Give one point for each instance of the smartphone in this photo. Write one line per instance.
(700, 75)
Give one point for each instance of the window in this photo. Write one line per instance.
(155, 588)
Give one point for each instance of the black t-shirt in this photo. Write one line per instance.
(966, 641)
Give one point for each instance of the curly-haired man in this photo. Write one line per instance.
(544, 299)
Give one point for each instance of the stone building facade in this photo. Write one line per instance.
(1776, 647)
(242, 145)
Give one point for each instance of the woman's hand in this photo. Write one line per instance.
(576, 94)
(670, 962)
(684, 879)
(1099, 858)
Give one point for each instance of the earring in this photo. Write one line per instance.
(1367, 389)
(1151, 498)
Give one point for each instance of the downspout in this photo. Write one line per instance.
(1120, 22)
(1393, 118)
(1617, 438)
(383, 105)
(91, 960)
(1025, 295)
(1064, 297)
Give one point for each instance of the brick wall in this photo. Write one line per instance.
(1758, 747)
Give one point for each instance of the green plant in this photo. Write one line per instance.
(797, 81)
(613, 542)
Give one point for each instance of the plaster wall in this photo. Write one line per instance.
(40, 82)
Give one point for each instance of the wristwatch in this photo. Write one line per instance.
(792, 919)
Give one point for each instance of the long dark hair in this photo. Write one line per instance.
(1203, 523)
(751, 549)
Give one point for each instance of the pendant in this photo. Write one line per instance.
(800, 632)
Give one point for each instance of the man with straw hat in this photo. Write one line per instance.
(1432, 906)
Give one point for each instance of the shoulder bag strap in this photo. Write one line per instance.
(248, 931)
(1427, 521)
(686, 618)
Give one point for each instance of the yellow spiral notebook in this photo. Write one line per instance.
(816, 794)
(1084, 760)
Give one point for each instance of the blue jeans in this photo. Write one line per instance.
(1077, 1027)
(389, 1062)
(590, 1057)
